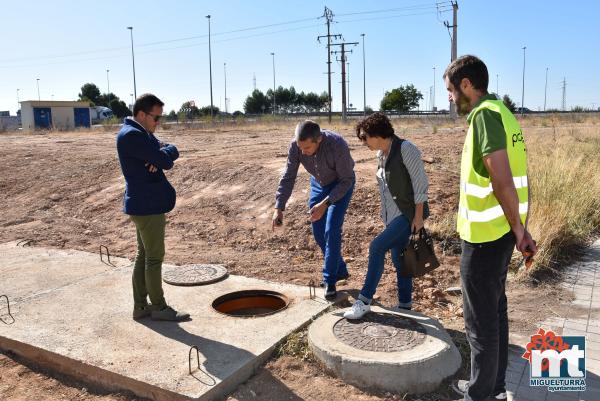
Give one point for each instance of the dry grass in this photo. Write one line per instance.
(565, 191)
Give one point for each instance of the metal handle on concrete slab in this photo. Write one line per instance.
(212, 380)
(312, 289)
(107, 255)
(190, 358)
(8, 308)
(24, 242)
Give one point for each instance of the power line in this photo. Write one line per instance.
(165, 48)
(414, 7)
(163, 41)
(391, 16)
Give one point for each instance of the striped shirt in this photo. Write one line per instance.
(411, 156)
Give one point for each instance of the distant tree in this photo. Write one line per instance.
(189, 110)
(237, 113)
(403, 98)
(323, 101)
(205, 111)
(119, 108)
(257, 103)
(172, 116)
(509, 103)
(105, 98)
(90, 93)
(368, 110)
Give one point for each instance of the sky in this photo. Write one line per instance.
(65, 44)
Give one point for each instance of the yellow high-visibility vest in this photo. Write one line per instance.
(480, 216)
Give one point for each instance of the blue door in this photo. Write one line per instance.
(82, 117)
(42, 117)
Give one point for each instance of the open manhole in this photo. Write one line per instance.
(250, 303)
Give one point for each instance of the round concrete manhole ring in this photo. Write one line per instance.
(188, 275)
(400, 352)
(250, 303)
(380, 332)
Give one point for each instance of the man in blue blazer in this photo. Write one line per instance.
(148, 196)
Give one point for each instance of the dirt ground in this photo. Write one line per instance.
(65, 190)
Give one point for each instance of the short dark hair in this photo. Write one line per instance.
(377, 124)
(146, 103)
(470, 67)
(307, 130)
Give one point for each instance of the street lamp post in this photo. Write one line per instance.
(433, 95)
(133, 61)
(545, 88)
(225, 73)
(364, 79)
(108, 87)
(497, 93)
(131, 94)
(18, 102)
(210, 69)
(274, 104)
(523, 89)
(37, 80)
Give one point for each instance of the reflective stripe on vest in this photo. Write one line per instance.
(480, 216)
(482, 192)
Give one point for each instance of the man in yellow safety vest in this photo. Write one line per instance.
(492, 215)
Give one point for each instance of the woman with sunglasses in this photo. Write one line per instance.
(403, 188)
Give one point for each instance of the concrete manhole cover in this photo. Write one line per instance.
(401, 352)
(193, 274)
(380, 332)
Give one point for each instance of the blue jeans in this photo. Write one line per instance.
(394, 237)
(328, 230)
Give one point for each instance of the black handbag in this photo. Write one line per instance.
(419, 255)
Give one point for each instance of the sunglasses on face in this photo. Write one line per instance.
(155, 117)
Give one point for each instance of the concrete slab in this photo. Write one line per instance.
(73, 313)
(401, 352)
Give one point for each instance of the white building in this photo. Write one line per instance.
(60, 115)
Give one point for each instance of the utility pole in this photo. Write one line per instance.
(274, 104)
(18, 102)
(254, 80)
(564, 103)
(545, 88)
(133, 61)
(523, 89)
(108, 87)
(364, 79)
(225, 73)
(454, 46)
(343, 61)
(210, 70)
(348, 104)
(328, 15)
(37, 80)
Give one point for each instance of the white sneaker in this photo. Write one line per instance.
(359, 309)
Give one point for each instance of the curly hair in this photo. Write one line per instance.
(377, 124)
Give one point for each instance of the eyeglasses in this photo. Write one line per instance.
(156, 118)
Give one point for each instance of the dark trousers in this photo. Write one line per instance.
(483, 271)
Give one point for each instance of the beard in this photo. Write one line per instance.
(463, 104)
